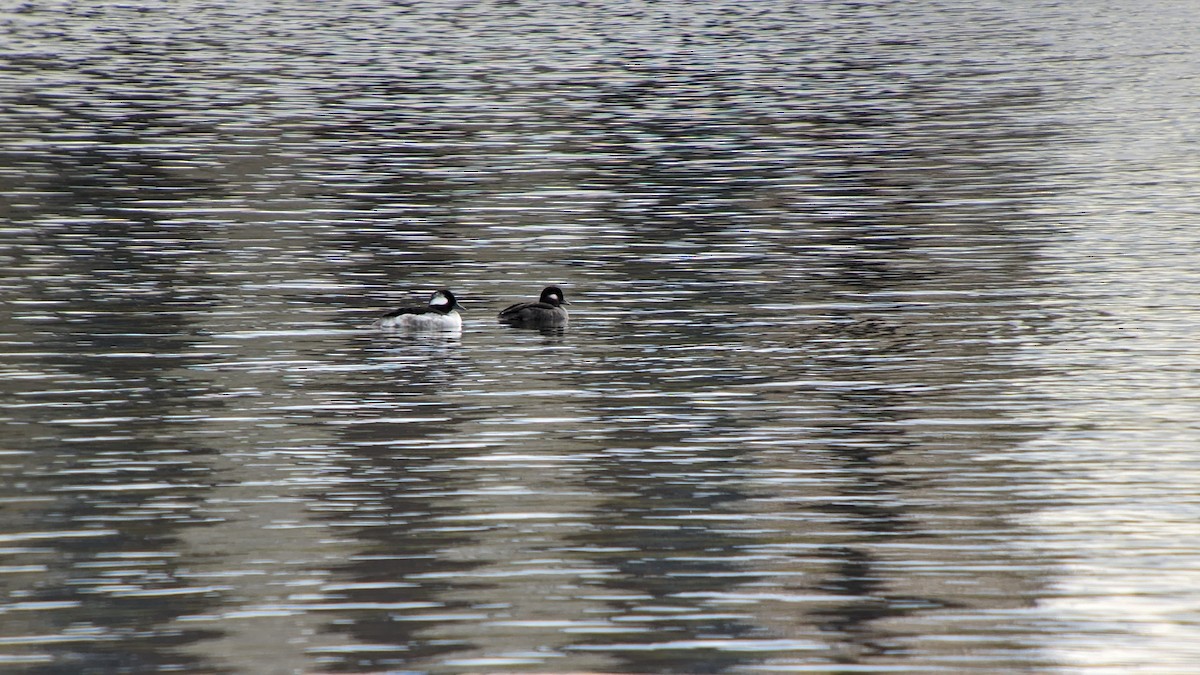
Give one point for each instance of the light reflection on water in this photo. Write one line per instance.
(873, 364)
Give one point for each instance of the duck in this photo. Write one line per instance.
(441, 314)
(547, 312)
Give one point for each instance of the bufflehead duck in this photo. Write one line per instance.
(439, 315)
(547, 312)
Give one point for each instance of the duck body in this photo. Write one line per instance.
(441, 314)
(547, 312)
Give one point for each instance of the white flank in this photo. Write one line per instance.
(430, 321)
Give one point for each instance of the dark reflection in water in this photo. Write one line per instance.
(665, 532)
(103, 478)
(402, 496)
(824, 403)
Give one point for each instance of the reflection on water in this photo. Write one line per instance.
(872, 365)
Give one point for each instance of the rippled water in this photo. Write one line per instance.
(882, 354)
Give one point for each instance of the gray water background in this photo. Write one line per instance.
(883, 350)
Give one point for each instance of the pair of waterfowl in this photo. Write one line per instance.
(441, 314)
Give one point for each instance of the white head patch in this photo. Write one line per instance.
(553, 296)
(439, 300)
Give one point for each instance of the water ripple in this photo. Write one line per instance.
(873, 363)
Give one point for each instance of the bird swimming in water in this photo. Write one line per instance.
(547, 312)
(441, 314)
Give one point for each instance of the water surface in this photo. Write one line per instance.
(881, 359)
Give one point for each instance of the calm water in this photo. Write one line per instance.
(883, 354)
